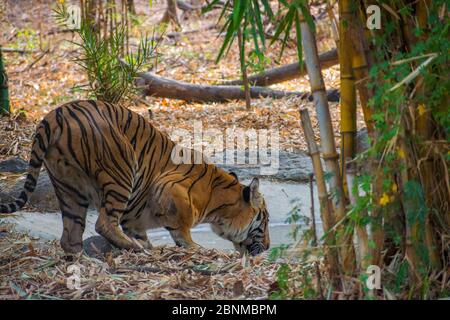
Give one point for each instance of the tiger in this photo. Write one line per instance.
(108, 157)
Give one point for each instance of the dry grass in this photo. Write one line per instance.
(30, 269)
(39, 83)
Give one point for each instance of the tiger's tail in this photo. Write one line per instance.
(39, 148)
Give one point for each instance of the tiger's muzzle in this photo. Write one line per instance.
(252, 247)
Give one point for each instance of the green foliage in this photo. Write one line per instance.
(282, 281)
(298, 221)
(296, 283)
(110, 73)
(245, 15)
(393, 113)
(293, 12)
(4, 94)
(277, 252)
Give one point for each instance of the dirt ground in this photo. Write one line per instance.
(42, 79)
(32, 269)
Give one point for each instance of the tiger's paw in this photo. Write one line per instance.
(141, 244)
(188, 245)
(146, 244)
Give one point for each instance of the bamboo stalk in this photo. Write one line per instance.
(376, 225)
(348, 92)
(361, 69)
(314, 234)
(327, 137)
(324, 201)
(424, 129)
(361, 231)
(411, 227)
(377, 228)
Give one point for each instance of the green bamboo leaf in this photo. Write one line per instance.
(290, 16)
(229, 37)
(237, 13)
(268, 9)
(253, 29)
(298, 32)
(281, 27)
(257, 18)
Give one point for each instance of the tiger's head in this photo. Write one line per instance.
(245, 220)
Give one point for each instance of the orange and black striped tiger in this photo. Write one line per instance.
(107, 156)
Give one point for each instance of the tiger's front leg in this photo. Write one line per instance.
(180, 220)
(182, 237)
(171, 209)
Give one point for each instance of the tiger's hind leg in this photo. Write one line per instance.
(73, 207)
(74, 222)
(73, 202)
(114, 204)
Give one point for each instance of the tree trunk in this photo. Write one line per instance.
(287, 72)
(171, 14)
(168, 88)
(131, 6)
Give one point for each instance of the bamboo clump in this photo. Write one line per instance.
(420, 170)
(324, 202)
(328, 146)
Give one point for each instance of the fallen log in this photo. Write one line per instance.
(187, 6)
(157, 86)
(22, 51)
(174, 35)
(182, 5)
(287, 72)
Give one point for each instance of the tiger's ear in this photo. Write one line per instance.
(234, 175)
(251, 193)
(254, 186)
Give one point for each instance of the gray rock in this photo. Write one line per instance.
(43, 198)
(97, 246)
(292, 167)
(14, 165)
